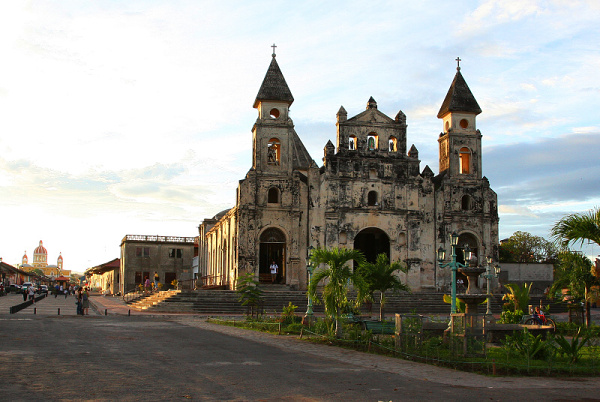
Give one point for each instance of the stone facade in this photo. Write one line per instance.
(170, 256)
(370, 194)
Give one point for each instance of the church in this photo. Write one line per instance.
(370, 194)
(40, 262)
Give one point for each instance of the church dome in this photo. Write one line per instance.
(40, 249)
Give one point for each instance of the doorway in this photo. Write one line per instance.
(372, 242)
(272, 248)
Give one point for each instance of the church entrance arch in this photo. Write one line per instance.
(372, 242)
(272, 248)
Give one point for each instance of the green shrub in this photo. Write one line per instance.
(527, 345)
(510, 317)
(573, 348)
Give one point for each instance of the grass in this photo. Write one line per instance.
(508, 359)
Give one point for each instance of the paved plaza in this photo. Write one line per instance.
(46, 356)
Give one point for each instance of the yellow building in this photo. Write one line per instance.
(40, 261)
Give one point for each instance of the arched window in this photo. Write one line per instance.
(352, 143)
(372, 143)
(467, 203)
(273, 196)
(372, 198)
(273, 151)
(464, 159)
(392, 144)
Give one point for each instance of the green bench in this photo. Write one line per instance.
(378, 327)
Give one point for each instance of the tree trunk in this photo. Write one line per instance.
(381, 306)
(588, 314)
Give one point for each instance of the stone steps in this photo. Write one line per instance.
(154, 299)
(210, 302)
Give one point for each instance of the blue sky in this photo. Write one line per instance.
(135, 117)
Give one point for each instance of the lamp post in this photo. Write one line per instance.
(488, 277)
(454, 265)
(308, 316)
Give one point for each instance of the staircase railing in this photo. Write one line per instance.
(213, 280)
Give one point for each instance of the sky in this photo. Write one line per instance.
(135, 117)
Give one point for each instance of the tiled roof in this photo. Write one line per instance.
(459, 98)
(301, 157)
(274, 87)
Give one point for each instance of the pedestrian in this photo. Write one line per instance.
(274, 267)
(147, 285)
(66, 292)
(79, 301)
(85, 300)
(56, 288)
(31, 292)
(156, 280)
(24, 291)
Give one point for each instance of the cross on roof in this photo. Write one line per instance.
(273, 46)
(457, 63)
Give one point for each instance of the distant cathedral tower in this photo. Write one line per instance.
(25, 259)
(40, 256)
(59, 262)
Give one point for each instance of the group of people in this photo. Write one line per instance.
(83, 301)
(64, 290)
(148, 285)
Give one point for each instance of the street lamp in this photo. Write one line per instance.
(308, 316)
(454, 265)
(488, 277)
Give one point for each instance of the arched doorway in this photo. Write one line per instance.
(372, 242)
(272, 248)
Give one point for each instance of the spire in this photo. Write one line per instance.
(371, 104)
(459, 97)
(274, 87)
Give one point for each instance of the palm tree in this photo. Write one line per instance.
(577, 228)
(519, 295)
(381, 277)
(338, 275)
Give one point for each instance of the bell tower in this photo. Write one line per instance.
(271, 139)
(460, 141)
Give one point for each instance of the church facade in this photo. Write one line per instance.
(370, 194)
(40, 262)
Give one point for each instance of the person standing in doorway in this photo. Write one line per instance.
(274, 268)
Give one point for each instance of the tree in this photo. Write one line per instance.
(518, 295)
(37, 271)
(338, 275)
(249, 294)
(577, 228)
(574, 272)
(524, 247)
(381, 277)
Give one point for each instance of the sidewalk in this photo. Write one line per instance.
(49, 305)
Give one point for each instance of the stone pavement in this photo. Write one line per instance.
(358, 361)
(46, 306)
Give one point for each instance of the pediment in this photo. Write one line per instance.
(371, 116)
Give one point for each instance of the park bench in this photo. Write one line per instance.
(379, 327)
